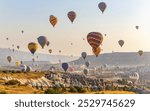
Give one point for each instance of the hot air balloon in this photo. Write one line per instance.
(42, 40)
(18, 47)
(85, 71)
(140, 52)
(137, 27)
(134, 77)
(33, 60)
(22, 31)
(13, 50)
(47, 43)
(95, 39)
(96, 51)
(50, 51)
(59, 51)
(87, 63)
(121, 42)
(83, 54)
(28, 69)
(53, 20)
(102, 6)
(32, 47)
(23, 67)
(71, 16)
(65, 66)
(18, 63)
(9, 58)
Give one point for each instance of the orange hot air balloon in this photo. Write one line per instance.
(32, 46)
(53, 20)
(71, 16)
(95, 39)
(96, 51)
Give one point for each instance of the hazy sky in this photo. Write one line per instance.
(118, 22)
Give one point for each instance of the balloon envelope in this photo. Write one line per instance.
(42, 40)
(65, 66)
(95, 39)
(9, 58)
(121, 42)
(102, 6)
(53, 20)
(32, 47)
(83, 54)
(140, 52)
(87, 63)
(71, 16)
(85, 71)
(96, 51)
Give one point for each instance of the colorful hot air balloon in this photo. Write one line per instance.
(83, 55)
(50, 51)
(96, 51)
(121, 42)
(95, 39)
(65, 66)
(71, 16)
(140, 52)
(42, 40)
(32, 47)
(53, 20)
(85, 71)
(9, 58)
(102, 6)
(47, 43)
(18, 63)
(87, 63)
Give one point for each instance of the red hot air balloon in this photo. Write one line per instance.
(95, 39)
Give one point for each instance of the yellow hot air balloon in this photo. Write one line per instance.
(96, 51)
(121, 42)
(53, 20)
(32, 47)
(18, 63)
(140, 52)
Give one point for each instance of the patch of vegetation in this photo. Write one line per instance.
(12, 82)
(3, 92)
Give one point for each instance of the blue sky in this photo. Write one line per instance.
(118, 22)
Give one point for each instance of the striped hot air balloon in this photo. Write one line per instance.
(71, 16)
(32, 47)
(53, 20)
(95, 39)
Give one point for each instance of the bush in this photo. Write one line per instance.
(73, 90)
(12, 82)
(3, 92)
(54, 90)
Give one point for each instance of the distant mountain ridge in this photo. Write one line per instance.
(117, 59)
(27, 56)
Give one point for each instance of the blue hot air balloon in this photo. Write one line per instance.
(65, 66)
